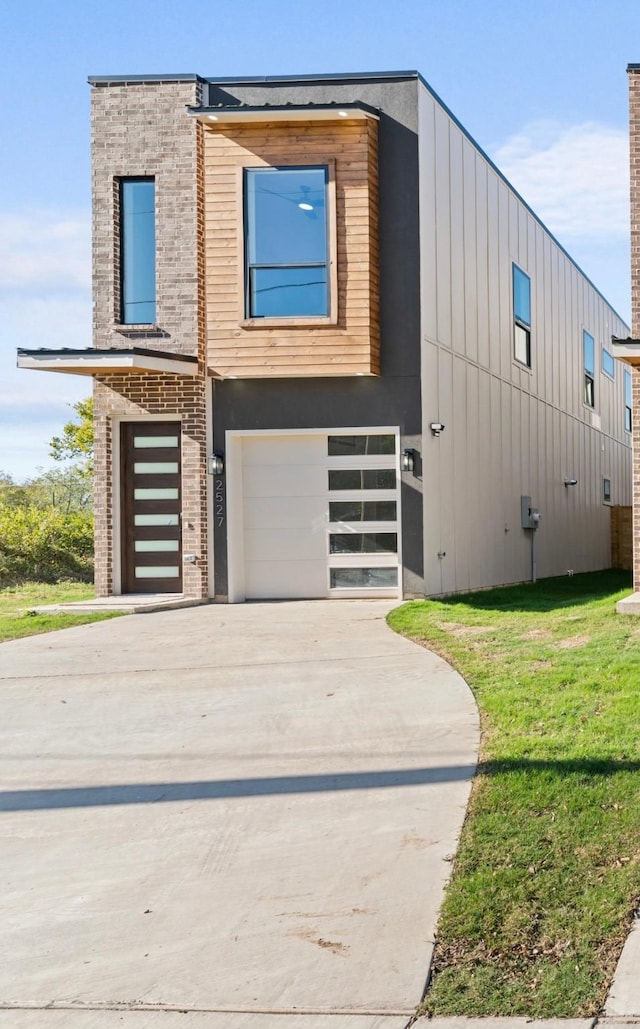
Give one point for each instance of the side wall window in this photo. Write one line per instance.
(286, 242)
(138, 251)
(522, 316)
(589, 357)
(627, 400)
(608, 363)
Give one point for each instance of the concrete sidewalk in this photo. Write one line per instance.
(243, 813)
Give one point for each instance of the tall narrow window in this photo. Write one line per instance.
(286, 242)
(522, 316)
(138, 251)
(588, 350)
(627, 400)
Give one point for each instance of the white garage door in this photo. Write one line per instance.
(320, 515)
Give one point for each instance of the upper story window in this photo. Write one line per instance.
(138, 251)
(286, 243)
(608, 363)
(627, 400)
(589, 357)
(522, 316)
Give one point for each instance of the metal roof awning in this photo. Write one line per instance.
(240, 113)
(627, 350)
(112, 361)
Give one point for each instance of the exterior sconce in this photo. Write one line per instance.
(436, 428)
(216, 464)
(408, 460)
(570, 482)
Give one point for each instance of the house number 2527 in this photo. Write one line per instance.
(219, 502)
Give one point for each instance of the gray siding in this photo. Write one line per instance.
(509, 430)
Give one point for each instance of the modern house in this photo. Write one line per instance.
(335, 354)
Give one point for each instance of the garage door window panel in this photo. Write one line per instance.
(363, 510)
(363, 543)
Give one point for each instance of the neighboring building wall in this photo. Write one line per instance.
(119, 398)
(142, 129)
(634, 157)
(510, 430)
(251, 348)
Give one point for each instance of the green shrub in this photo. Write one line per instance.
(44, 544)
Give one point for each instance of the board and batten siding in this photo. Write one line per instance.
(510, 430)
(350, 346)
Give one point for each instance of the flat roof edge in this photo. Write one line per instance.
(120, 80)
(350, 76)
(370, 76)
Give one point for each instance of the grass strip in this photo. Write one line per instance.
(547, 874)
(16, 621)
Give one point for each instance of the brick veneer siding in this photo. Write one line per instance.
(634, 157)
(622, 537)
(132, 398)
(142, 129)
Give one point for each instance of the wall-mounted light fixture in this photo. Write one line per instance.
(408, 460)
(216, 464)
(436, 428)
(570, 482)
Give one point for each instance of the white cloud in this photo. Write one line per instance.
(576, 178)
(45, 250)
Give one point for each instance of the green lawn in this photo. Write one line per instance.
(547, 875)
(14, 600)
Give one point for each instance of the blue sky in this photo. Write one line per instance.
(541, 87)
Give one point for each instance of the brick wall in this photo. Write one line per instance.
(622, 537)
(142, 129)
(634, 156)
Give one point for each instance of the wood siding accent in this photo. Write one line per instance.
(348, 343)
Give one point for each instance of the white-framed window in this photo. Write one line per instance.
(522, 316)
(589, 363)
(608, 363)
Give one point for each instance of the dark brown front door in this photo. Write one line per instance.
(151, 507)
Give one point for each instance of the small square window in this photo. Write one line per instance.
(522, 316)
(588, 351)
(606, 491)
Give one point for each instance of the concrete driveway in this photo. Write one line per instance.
(233, 812)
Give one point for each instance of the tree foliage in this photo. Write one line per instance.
(76, 442)
(46, 522)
